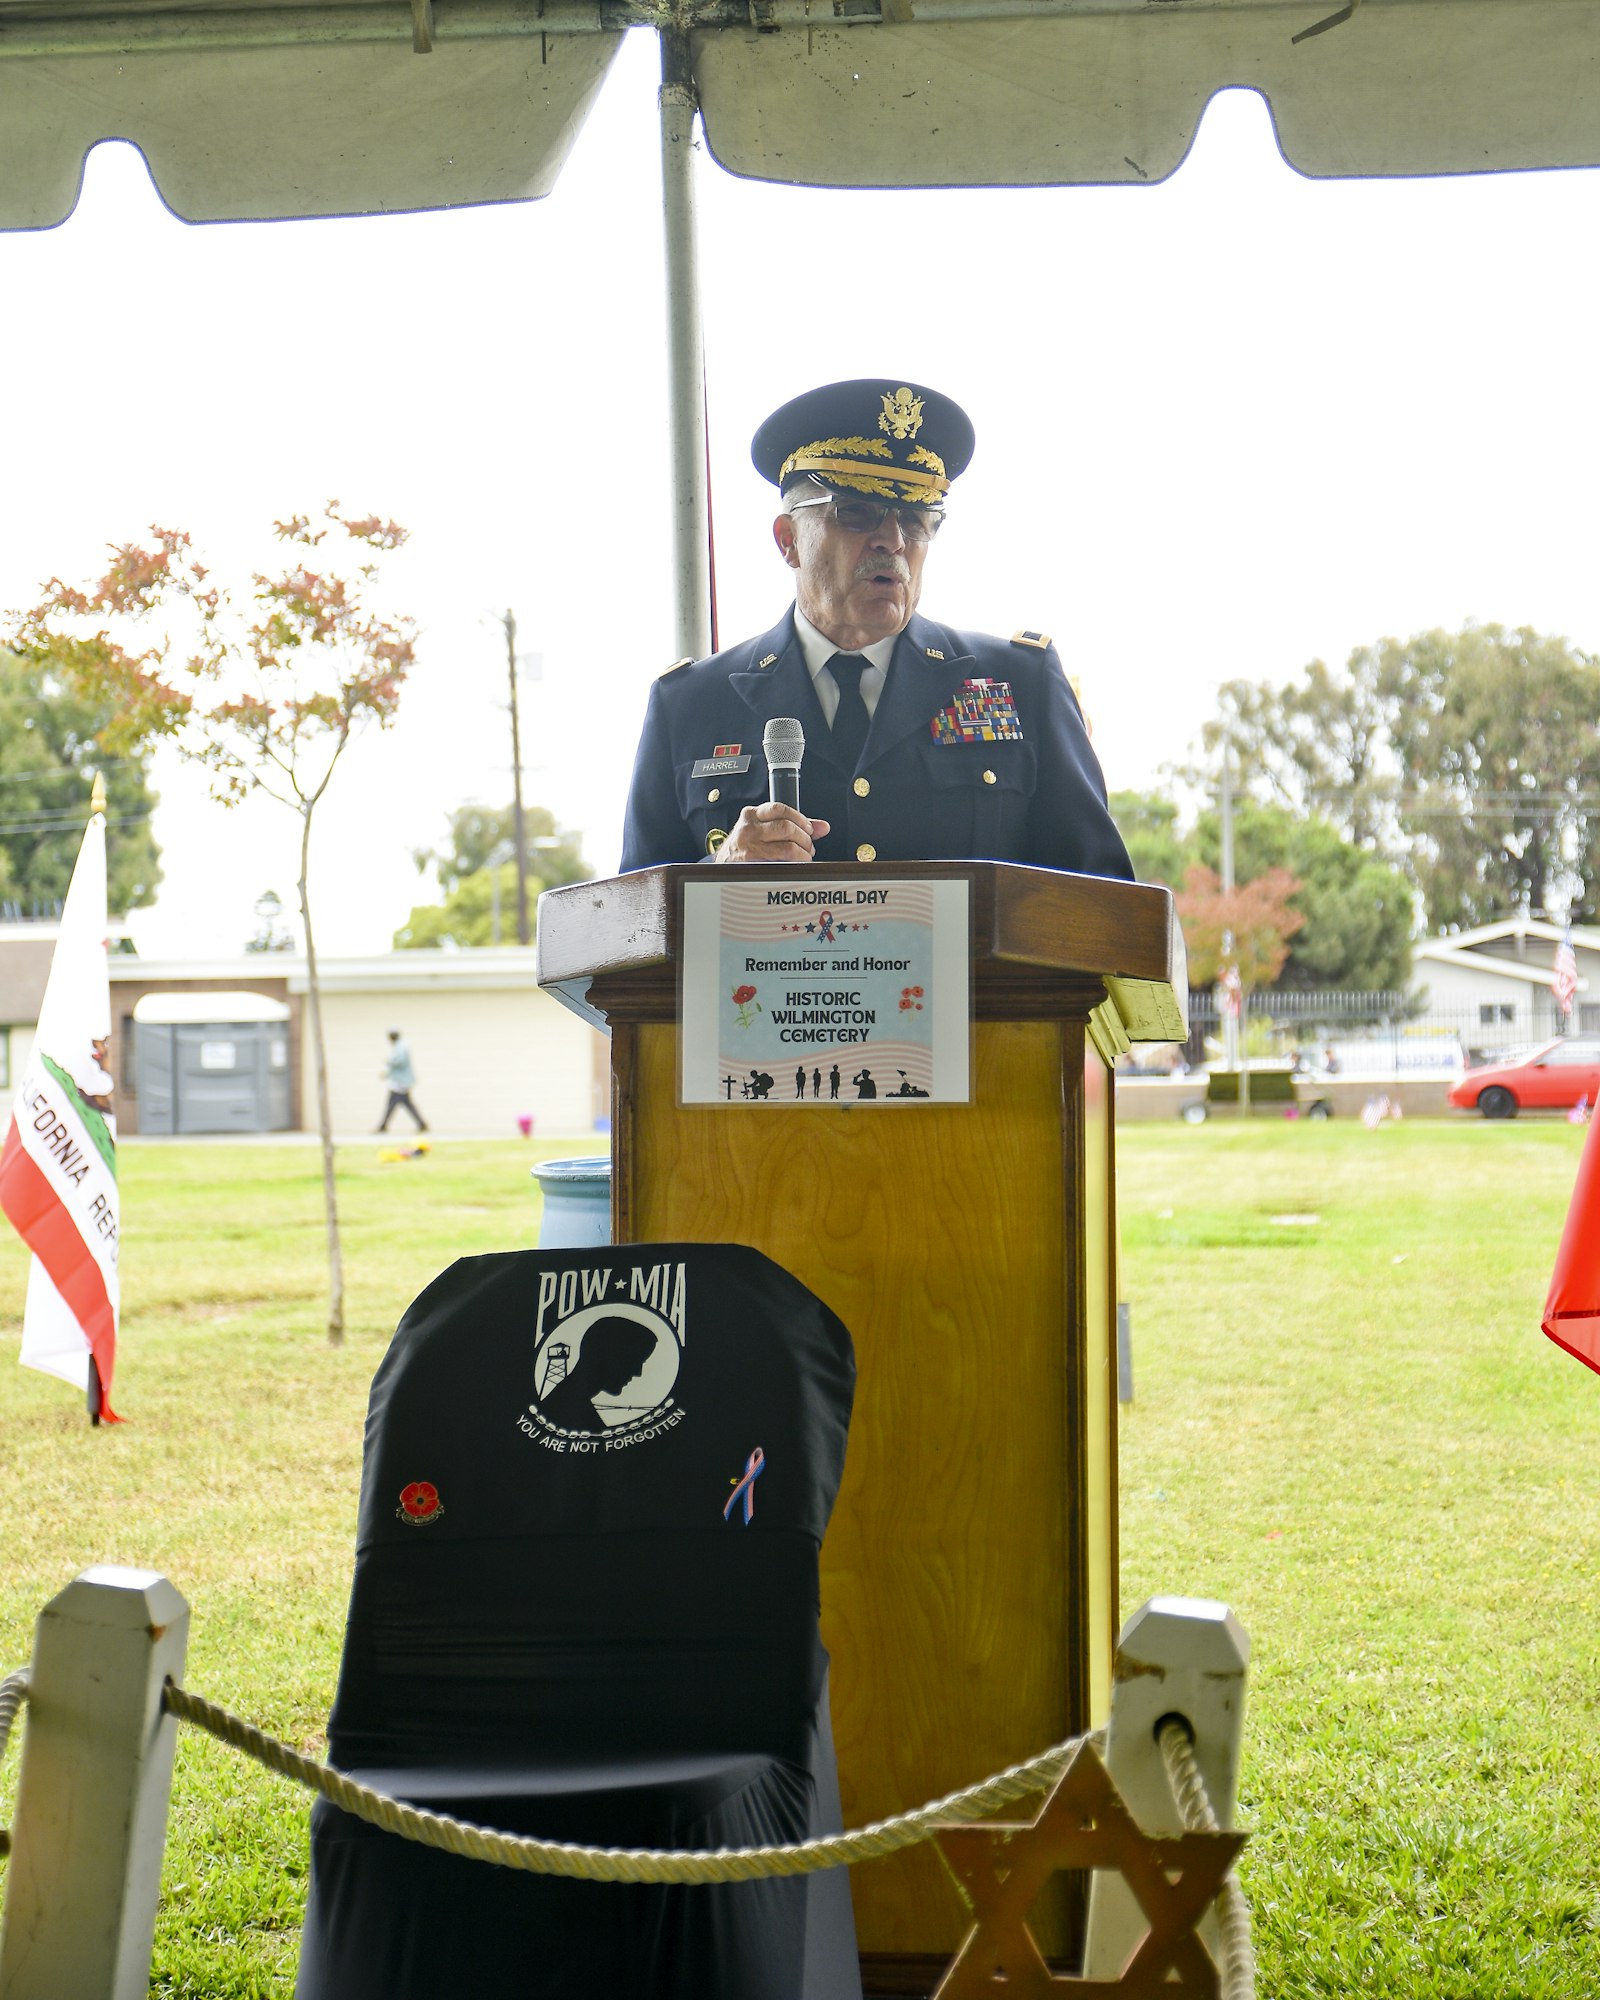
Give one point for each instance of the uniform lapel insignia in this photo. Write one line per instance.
(776, 683)
(933, 653)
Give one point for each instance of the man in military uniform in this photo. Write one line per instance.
(922, 742)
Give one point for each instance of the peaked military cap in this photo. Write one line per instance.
(887, 438)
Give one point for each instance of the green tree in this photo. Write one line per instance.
(1148, 822)
(266, 694)
(1470, 758)
(475, 856)
(1321, 744)
(1358, 910)
(49, 750)
(1497, 738)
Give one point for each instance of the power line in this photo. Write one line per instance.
(56, 824)
(103, 765)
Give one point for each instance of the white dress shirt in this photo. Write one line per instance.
(818, 649)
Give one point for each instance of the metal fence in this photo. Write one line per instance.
(1380, 1034)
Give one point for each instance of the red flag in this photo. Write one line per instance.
(1572, 1311)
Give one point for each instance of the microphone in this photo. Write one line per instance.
(783, 744)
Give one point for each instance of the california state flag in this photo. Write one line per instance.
(58, 1172)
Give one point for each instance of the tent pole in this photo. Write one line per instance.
(691, 536)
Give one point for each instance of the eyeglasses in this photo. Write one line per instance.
(866, 517)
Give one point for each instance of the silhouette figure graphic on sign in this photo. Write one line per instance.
(816, 1083)
(760, 1083)
(833, 1083)
(613, 1353)
(865, 1087)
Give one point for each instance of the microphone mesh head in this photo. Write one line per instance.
(783, 742)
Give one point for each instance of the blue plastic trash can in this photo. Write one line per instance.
(577, 1202)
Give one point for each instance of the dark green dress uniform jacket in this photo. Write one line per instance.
(1039, 799)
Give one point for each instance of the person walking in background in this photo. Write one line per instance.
(400, 1076)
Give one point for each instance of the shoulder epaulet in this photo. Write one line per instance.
(677, 667)
(1040, 640)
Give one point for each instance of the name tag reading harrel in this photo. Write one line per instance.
(813, 990)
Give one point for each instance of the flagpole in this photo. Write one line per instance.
(92, 1388)
(689, 483)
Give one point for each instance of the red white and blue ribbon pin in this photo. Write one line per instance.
(745, 1488)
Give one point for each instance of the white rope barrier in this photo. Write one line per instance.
(605, 1864)
(1238, 1968)
(13, 1693)
(626, 1864)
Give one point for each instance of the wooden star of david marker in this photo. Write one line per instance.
(1000, 1868)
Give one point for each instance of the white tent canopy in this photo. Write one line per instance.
(245, 109)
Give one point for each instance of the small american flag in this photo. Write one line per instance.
(1564, 973)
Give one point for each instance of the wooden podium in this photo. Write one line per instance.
(969, 1578)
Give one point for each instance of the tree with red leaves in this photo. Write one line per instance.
(1248, 926)
(266, 695)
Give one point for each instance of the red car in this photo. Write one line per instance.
(1552, 1077)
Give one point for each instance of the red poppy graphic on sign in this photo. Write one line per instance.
(419, 1502)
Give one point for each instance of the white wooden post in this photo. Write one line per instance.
(1177, 1656)
(91, 1812)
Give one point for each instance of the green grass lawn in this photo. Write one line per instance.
(1350, 1429)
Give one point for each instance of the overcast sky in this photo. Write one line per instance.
(1225, 425)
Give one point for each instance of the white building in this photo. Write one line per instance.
(1492, 984)
(223, 1044)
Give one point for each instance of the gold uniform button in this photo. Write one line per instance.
(713, 795)
(866, 851)
(861, 788)
(988, 779)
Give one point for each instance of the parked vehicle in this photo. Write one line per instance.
(1554, 1076)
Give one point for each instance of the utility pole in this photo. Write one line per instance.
(518, 831)
(1233, 1022)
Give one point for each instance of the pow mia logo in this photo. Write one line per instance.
(608, 1344)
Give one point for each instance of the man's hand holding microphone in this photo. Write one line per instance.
(777, 831)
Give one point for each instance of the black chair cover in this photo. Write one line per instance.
(585, 1608)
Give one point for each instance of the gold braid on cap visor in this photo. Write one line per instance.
(890, 482)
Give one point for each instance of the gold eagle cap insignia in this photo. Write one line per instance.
(901, 416)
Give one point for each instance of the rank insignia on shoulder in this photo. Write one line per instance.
(934, 653)
(1039, 639)
(982, 712)
(767, 662)
(677, 666)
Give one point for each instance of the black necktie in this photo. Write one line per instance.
(850, 719)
